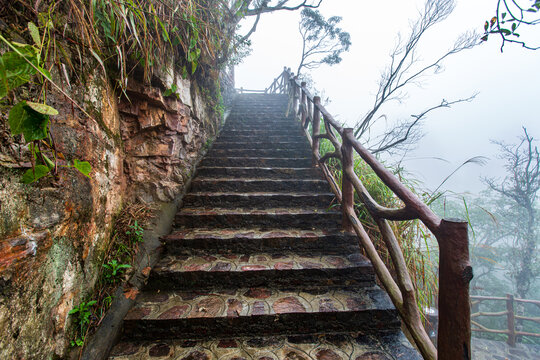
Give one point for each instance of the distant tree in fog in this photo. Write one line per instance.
(521, 185)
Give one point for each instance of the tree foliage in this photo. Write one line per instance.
(509, 18)
(236, 10)
(323, 41)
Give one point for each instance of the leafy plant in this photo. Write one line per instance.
(113, 269)
(83, 317)
(136, 232)
(27, 118)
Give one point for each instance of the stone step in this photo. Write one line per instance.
(263, 200)
(256, 162)
(287, 218)
(247, 185)
(266, 153)
(248, 125)
(262, 133)
(259, 116)
(261, 311)
(268, 121)
(260, 145)
(226, 271)
(277, 173)
(298, 138)
(248, 241)
(343, 346)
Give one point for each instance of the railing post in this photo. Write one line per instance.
(316, 130)
(347, 188)
(455, 274)
(286, 81)
(510, 316)
(303, 104)
(295, 100)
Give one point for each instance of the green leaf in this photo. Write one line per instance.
(42, 108)
(90, 303)
(83, 166)
(24, 120)
(15, 70)
(73, 311)
(32, 175)
(34, 32)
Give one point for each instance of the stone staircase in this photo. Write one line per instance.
(257, 266)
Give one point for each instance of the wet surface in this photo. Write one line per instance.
(329, 347)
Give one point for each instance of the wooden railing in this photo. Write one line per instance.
(510, 315)
(455, 272)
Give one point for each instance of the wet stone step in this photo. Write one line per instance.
(261, 311)
(345, 346)
(262, 122)
(261, 126)
(269, 153)
(211, 200)
(266, 139)
(241, 185)
(197, 272)
(268, 218)
(257, 162)
(227, 241)
(277, 173)
(261, 145)
(263, 133)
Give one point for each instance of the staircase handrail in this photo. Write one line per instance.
(455, 271)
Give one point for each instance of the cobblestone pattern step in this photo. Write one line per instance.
(356, 346)
(286, 218)
(209, 200)
(282, 173)
(263, 269)
(247, 185)
(249, 241)
(262, 311)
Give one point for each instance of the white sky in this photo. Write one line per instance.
(507, 82)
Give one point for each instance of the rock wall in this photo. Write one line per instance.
(53, 234)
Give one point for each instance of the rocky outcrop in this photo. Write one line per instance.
(54, 234)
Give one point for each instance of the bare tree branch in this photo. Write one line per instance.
(405, 69)
(404, 133)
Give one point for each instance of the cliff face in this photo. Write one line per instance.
(54, 234)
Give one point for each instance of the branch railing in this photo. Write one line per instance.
(510, 315)
(455, 272)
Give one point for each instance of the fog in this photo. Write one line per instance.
(506, 82)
